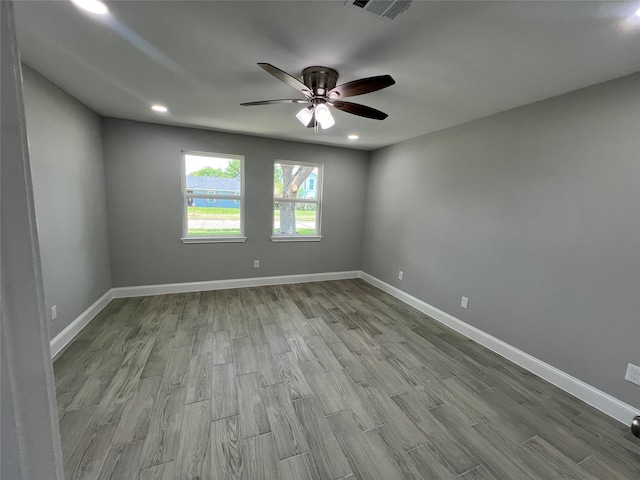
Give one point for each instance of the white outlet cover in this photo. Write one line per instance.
(400, 275)
(54, 312)
(464, 303)
(256, 264)
(633, 374)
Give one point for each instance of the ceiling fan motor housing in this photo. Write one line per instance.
(320, 79)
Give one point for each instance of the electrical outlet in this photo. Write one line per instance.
(464, 303)
(256, 264)
(400, 275)
(54, 312)
(633, 374)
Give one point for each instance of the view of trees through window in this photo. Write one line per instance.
(213, 191)
(296, 199)
(231, 170)
(213, 197)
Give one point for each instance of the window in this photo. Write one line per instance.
(296, 210)
(213, 197)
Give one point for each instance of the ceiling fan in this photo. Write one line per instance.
(319, 88)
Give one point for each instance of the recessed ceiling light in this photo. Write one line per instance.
(353, 136)
(93, 6)
(638, 13)
(159, 108)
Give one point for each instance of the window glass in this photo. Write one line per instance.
(296, 198)
(212, 184)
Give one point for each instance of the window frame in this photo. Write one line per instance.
(318, 201)
(231, 238)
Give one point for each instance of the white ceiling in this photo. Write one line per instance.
(452, 61)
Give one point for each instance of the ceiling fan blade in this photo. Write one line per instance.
(271, 102)
(360, 110)
(286, 78)
(362, 86)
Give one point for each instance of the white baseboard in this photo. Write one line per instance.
(65, 337)
(145, 290)
(596, 398)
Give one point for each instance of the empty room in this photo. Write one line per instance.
(291, 240)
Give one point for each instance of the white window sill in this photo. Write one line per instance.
(213, 239)
(296, 238)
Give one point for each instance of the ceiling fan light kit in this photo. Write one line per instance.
(305, 115)
(318, 85)
(323, 116)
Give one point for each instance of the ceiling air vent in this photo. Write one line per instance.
(386, 9)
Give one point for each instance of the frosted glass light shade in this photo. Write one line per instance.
(327, 123)
(305, 115)
(323, 115)
(322, 112)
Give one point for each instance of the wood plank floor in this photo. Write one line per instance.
(327, 380)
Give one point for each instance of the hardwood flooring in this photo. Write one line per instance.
(328, 380)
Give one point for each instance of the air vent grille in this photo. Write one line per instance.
(379, 6)
(397, 8)
(386, 9)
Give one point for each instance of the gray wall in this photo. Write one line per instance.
(533, 215)
(145, 207)
(29, 439)
(65, 142)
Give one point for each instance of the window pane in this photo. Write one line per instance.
(207, 174)
(213, 175)
(295, 218)
(213, 219)
(295, 181)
